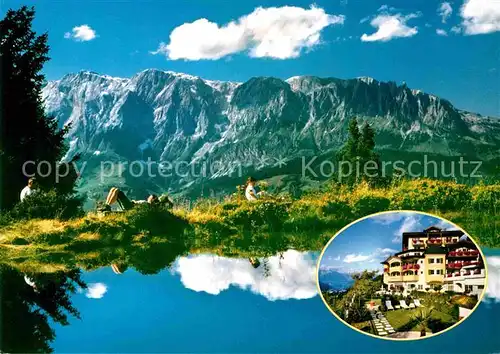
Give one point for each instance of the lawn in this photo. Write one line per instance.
(363, 326)
(401, 320)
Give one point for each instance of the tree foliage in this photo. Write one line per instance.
(359, 152)
(27, 134)
(26, 310)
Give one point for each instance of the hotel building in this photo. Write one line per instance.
(437, 260)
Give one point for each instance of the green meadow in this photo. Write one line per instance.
(149, 238)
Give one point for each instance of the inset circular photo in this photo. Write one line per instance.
(402, 275)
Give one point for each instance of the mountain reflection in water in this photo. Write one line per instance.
(119, 309)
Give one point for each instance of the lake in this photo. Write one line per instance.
(206, 303)
(216, 304)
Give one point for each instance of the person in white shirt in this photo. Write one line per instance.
(28, 190)
(250, 192)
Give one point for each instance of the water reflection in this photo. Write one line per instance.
(30, 303)
(227, 304)
(289, 275)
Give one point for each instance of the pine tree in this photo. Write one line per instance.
(359, 149)
(350, 152)
(367, 140)
(351, 148)
(27, 134)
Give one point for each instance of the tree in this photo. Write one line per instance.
(359, 151)
(26, 133)
(367, 141)
(25, 310)
(351, 148)
(422, 317)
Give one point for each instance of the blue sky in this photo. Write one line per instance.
(394, 40)
(370, 241)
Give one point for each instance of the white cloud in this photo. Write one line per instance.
(352, 258)
(292, 277)
(493, 288)
(275, 32)
(386, 8)
(444, 11)
(390, 26)
(441, 32)
(410, 223)
(389, 218)
(378, 254)
(81, 33)
(480, 16)
(96, 290)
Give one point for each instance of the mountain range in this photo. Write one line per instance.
(333, 280)
(258, 126)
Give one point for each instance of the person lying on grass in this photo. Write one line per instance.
(116, 195)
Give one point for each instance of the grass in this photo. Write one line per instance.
(237, 228)
(401, 320)
(363, 326)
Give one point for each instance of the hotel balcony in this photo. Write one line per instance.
(393, 278)
(461, 264)
(463, 254)
(466, 274)
(411, 277)
(412, 253)
(410, 266)
(396, 269)
(435, 278)
(435, 241)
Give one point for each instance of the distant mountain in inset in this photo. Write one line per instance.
(333, 280)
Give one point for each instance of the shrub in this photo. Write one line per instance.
(427, 194)
(48, 205)
(155, 220)
(486, 197)
(367, 205)
(259, 214)
(383, 306)
(340, 209)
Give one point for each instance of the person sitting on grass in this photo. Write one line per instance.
(250, 192)
(29, 189)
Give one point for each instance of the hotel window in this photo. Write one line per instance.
(439, 260)
(431, 271)
(480, 287)
(420, 286)
(431, 260)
